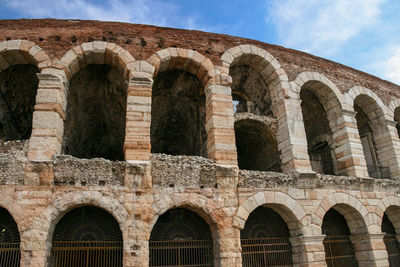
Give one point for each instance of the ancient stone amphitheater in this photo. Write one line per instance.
(134, 145)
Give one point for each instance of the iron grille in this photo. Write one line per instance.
(393, 250)
(181, 253)
(10, 254)
(270, 251)
(86, 254)
(339, 251)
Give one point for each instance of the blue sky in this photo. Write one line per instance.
(363, 34)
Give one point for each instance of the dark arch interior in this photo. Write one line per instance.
(265, 239)
(338, 246)
(9, 240)
(180, 224)
(397, 119)
(87, 236)
(178, 115)
(264, 222)
(95, 124)
(368, 142)
(316, 125)
(334, 224)
(181, 238)
(257, 148)
(18, 87)
(391, 242)
(8, 228)
(87, 224)
(247, 81)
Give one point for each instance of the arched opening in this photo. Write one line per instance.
(391, 242)
(87, 236)
(178, 115)
(339, 249)
(257, 147)
(18, 87)
(10, 254)
(181, 238)
(265, 239)
(397, 120)
(250, 89)
(95, 124)
(369, 118)
(318, 131)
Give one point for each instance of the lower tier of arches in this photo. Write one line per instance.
(74, 226)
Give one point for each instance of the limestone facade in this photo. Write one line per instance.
(40, 184)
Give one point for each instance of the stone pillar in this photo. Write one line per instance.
(370, 250)
(221, 145)
(388, 146)
(48, 118)
(229, 248)
(47, 123)
(292, 142)
(348, 148)
(308, 250)
(137, 144)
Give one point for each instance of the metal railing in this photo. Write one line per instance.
(272, 251)
(86, 254)
(339, 251)
(10, 254)
(393, 250)
(181, 253)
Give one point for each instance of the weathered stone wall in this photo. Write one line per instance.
(40, 184)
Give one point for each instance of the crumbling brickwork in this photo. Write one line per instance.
(145, 122)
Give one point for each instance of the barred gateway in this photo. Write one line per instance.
(135, 145)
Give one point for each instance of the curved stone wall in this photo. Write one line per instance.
(38, 185)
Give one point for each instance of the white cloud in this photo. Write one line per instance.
(155, 12)
(391, 67)
(321, 26)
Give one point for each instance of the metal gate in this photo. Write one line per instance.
(271, 251)
(339, 252)
(10, 254)
(86, 254)
(181, 253)
(393, 250)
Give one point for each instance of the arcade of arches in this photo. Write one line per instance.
(254, 166)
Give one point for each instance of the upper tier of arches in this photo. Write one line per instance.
(267, 93)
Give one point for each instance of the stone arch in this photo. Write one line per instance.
(183, 59)
(14, 52)
(391, 206)
(289, 209)
(393, 105)
(313, 88)
(96, 52)
(63, 204)
(356, 91)
(103, 70)
(264, 63)
(377, 132)
(327, 86)
(21, 62)
(355, 213)
(204, 207)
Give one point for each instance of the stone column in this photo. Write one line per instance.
(370, 250)
(348, 148)
(308, 250)
(47, 122)
(292, 142)
(229, 248)
(388, 146)
(221, 145)
(138, 117)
